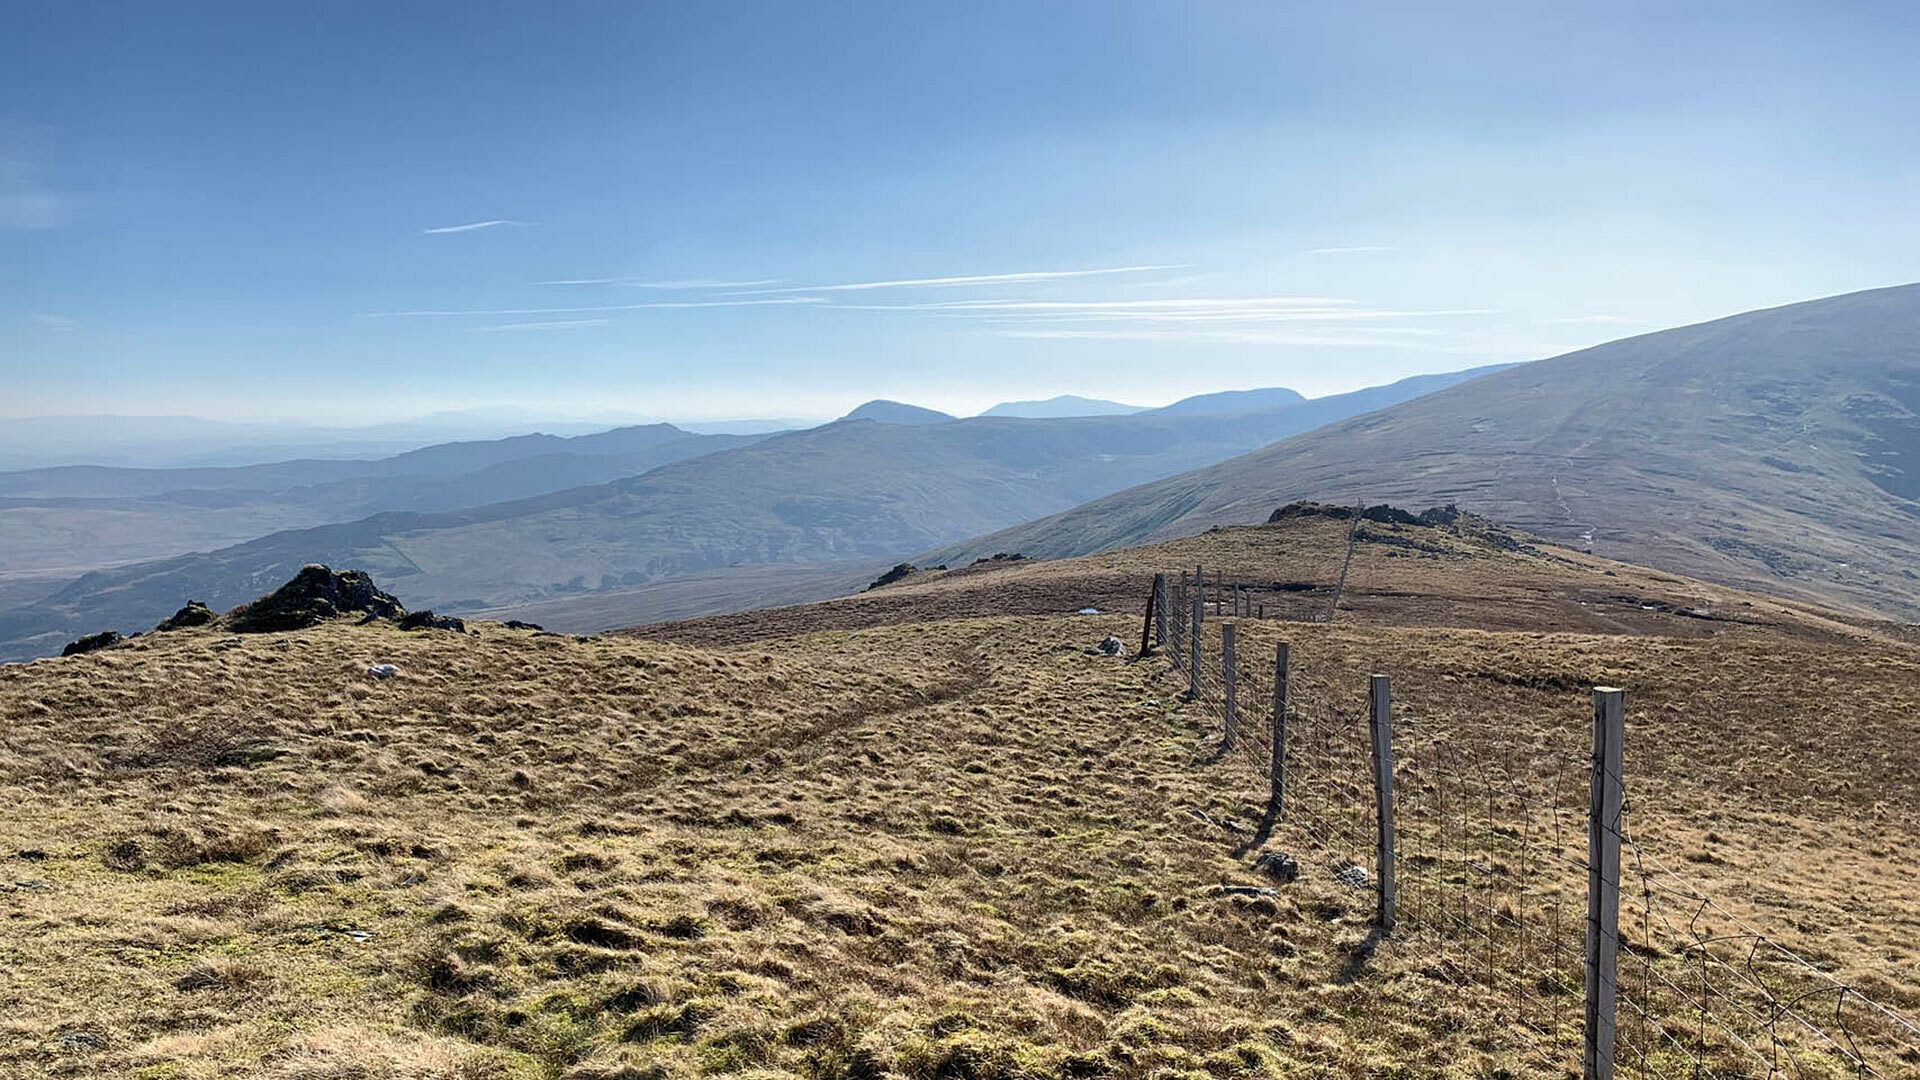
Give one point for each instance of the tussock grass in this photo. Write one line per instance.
(888, 845)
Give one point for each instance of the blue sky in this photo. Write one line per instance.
(349, 211)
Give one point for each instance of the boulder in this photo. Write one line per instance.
(194, 614)
(427, 620)
(1278, 865)
(92, 642)
(516, 624)
(315, 595)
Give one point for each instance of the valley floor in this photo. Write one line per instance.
(921, 832)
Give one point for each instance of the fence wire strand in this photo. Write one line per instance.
(1493, 874)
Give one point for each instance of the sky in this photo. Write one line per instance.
(347, 211)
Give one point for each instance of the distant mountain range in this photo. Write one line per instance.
(87, 516)
(1778, 449)
(856, 490)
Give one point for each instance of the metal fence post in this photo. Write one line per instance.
(1278, 772)
(1193, 647)
(1230, 681)
(1603, 880)
(1380, 708)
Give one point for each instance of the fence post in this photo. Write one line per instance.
(1229, 681)
(1380, 708)
(1159, 611)
(1147, 640)
(1278, 771)
(1193, 647)
(1603, 880)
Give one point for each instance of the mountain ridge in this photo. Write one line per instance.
(1777, 449)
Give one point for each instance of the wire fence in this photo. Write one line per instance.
(1507, 867)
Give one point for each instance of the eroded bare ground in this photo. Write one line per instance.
(949, 844)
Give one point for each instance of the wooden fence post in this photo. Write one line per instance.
(1380, 708)
(1603, 880)
(1193, 647)
(1159, 611)
(1230, 680)
(1277, 773)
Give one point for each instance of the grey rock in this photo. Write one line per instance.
(1278, 865)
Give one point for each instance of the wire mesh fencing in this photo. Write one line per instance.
(1507, 867)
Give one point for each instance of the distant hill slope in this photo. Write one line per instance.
(851, 490)
(1778, 449)
(895, 412)
(85, 517)
(1233, 401)
(1063, 405)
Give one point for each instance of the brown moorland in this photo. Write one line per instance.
(916, 832)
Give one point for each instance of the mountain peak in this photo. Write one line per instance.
(1235, 401)
(895, 412)
(1063, 405)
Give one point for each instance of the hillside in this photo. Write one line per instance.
(945, 844)
(1777, 449)
(852, 492)
(74, 518)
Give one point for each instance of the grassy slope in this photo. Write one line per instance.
(844, 841)
(1777, 450)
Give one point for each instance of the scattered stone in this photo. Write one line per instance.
(1278, 865)
(427, 620)
(1354, 876)
(1259, 891)
(194, 614)
(1111, 646)
(31, 855)
(80, 1042)
(92, 642)
(383, 671)
(516, 624)
(1088, 611)
(315, 595)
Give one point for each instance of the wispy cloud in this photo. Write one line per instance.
(1219, 337)
(1260, 309)
(1021, 277)
(1357, 249)
(473, 226)
(24, 202)
(1597, 320)
(664, 304)
(677, 283)
(561, 324)
(55, 324)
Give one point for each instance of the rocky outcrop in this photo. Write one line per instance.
(92, 642)
(194, 614)
(315, 595)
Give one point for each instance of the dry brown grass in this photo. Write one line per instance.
(946, 850)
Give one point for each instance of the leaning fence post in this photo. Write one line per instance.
(1277, 773)
(1229, 682)
(1380, 708)
(1603, 880)
(1193, 646)
(1147, 637)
